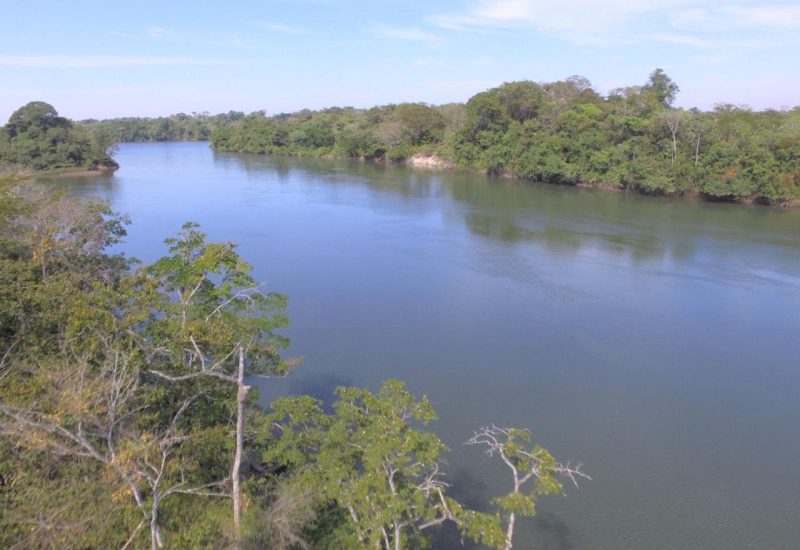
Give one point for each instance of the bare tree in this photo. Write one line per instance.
(153, 462)
(527, 465)
(89, 410)
(84, 410)
(216, 370)
(673, 119)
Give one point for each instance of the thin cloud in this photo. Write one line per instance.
(730, 17)
(598, 21)
(156, 32)
(678, 39)
(427, 62)
(405, 34)
(764, 16)
(280, 28)
(105, 61)
(171, 36)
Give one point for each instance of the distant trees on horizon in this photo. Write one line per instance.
(560, 132)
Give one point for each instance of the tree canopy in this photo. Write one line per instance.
(559, 132)
(36, 138)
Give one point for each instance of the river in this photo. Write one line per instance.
(656, 341)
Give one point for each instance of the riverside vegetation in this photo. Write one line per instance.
(560, 132)
(35, 138)
(128, 419)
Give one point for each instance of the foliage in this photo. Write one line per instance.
(559, 132)
(36, 137)
(369, 460)
(178, 127)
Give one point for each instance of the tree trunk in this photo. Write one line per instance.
(510, 531)
(674, 150)
(697, 152)
(155, 532)
(241, 396)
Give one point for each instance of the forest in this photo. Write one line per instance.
(559, 132)
(129, 416)
(36, 138)
(179, 127)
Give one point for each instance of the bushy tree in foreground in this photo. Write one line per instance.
(371, 460)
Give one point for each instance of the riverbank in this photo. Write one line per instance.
(100, 170)
(434, 162)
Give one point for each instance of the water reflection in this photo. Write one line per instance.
(561, 219)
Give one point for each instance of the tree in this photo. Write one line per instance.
(36, 137)
(522, 100)
(528, 465)
(214, 322)
(674, 119)
(661, 88)
(422, 124)
(369, 461)
(36, 115)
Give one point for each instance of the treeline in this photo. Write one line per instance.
(36, 138)
(179, 127)
(560, 132)
(128, 419)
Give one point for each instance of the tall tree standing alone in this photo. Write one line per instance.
(214, 322)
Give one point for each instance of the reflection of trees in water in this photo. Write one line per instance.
(378, 176)
(566, 219)
(472, 493)
(562, 219)
(560, 240)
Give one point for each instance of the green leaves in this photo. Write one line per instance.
(36, 137)
(207, 301)
(368, 458)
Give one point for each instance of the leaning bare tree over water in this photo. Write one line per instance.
(534, 471)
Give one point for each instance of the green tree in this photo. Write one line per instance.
(661, 88)
(214, 322)
(533, 469)
(370, 461)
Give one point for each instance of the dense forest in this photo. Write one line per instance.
(559, 132)
(36, 138)
(128, 418)
(180, 127)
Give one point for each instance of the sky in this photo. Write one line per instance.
(103, 59)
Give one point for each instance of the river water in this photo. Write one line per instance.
(656, 341)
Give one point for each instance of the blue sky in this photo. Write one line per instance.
(104, 59)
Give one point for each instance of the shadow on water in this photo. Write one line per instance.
(549, 533)
(319, 386)
(552, 533)
(467, 489)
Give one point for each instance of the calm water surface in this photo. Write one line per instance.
(656, 341)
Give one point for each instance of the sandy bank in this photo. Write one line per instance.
(433, 162)
(101, 170)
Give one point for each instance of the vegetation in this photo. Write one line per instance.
(180, 127)
(36, 138)
(560, 132)
(128, 419)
